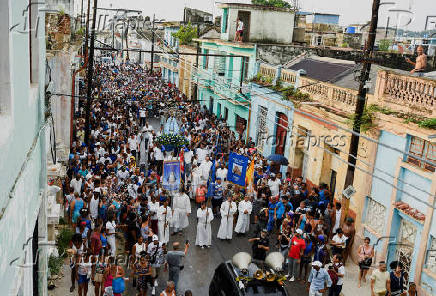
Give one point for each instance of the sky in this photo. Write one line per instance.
(350, 11)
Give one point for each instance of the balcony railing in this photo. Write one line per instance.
(328, 94)
(266, 70)
(288, 76)
(407, 94)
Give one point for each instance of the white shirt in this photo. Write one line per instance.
(110, 228)
(158, 155)
(77, 185)
(132, 143)
(274, 186)
(188, 157)
(240, 26)
(221, 173)
(201, 153)
(142, 112)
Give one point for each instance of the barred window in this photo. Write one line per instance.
(375, 215)
(422, 149)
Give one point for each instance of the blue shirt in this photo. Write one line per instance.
(317, 279)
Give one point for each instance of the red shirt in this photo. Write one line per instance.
(297, 246)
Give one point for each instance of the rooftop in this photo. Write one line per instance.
(339, 72)
(253, 6)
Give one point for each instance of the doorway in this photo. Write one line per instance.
(281, 133)
(245, 17)
(333, 184)
(211, 105)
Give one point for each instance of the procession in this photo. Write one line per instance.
(134, 190)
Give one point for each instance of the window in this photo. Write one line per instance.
(422, 149)
(430, 261)
(205, 59)
(220, 65)
(5, 78)
(375, 215)
(262, 131)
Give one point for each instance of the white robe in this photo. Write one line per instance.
(182, 207)
(226, 228)
(196, 180)
(205, 169)
(164, 232)
(204, 231)
(243, 223)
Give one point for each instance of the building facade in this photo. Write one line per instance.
(23, 231)
(395, 171)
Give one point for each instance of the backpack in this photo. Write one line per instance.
(333, 273)
(333, 276)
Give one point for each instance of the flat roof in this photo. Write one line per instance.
(253, 6)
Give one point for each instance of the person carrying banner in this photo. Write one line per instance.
(245, 207)
(164, 215)
(228, 210)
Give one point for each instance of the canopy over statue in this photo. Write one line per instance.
(171, 126)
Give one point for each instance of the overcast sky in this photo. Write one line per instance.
(350, 11)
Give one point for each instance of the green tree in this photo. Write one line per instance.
(186, 34)
(384, 44)
(273, 3)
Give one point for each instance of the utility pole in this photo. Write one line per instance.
(196, 62)
(152, 46)
(361, 101)
(89, 78)
(87, 29)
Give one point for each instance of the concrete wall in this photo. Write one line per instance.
(60, 65)
(22, 154)
(263, 25)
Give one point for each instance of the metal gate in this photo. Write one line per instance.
(261, 133)
(405, 246)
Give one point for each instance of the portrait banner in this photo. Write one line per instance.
(171, 175)
(237, 169)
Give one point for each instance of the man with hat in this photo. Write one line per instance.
(260, 246)
(319, 280)
(296, 249)
(156, 252)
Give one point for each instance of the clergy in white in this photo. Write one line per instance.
(182, 209)
(204, 231)
(244, 209)
(164, 216)
(205, 167)
(228, 209)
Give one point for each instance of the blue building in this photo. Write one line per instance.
(223, 77)
(169, 63)
(23, 263)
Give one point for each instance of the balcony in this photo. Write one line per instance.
(407, 94)
(336, 97)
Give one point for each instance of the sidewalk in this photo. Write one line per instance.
(351, 279)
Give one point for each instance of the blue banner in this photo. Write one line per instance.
(171, 175)
(237, 169)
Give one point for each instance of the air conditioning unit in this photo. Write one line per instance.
(349, 192)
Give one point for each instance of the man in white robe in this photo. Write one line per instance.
(164, 216)
(244, 208)
(205, 167)
(182, 209)
(228, 210)
(204, 231)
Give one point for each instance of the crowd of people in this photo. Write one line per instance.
(115, 194)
